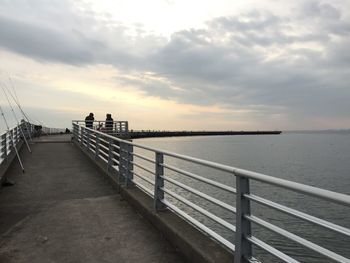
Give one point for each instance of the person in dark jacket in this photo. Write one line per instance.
(89, 120)
(109, 123)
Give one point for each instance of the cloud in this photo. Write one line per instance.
(69, 32)
(295, 65)
(45, 43)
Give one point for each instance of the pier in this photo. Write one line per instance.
(120, 129)
(83, 198)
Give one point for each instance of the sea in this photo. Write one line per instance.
(316, 159)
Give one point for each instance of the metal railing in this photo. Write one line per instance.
(115, 128)
(122, 159)
(6, 143)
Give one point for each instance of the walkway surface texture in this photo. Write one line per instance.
(64, 210)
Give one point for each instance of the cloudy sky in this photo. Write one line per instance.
(180, 64)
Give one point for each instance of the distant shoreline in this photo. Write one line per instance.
(340, 131)
(155, 134)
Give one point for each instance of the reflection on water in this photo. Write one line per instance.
(319, 160)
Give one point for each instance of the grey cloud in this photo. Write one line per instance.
(253, 21)
(338, 55)
(66, 33)
(46, 43)
(317, 9)
(327, 18)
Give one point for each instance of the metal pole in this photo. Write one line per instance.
(243, 226)
(130, 165)
(11, 141)
(74, 132)
(82, 136)
(110, 155)
(121, 161)
(88, 134)
(11, 136)
(159, 183)
(97, 146)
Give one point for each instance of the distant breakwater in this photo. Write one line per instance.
(151, 134)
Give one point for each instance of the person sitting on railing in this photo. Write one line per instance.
(109, 123)
(100, 127)
(89, 120)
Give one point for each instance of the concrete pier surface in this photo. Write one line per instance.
(63, 210)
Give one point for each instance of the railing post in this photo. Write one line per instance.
(15, 136)
(88, 137)
(4, 146)
(110, 154)
(97, 146)
(75, 132)
(31, 129)
(77, 129)
(129, 165)
(243, 226)
(82, 136)
(159, 183)
(12, 140)
(121, 162)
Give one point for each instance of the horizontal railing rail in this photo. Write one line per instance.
(133, 165)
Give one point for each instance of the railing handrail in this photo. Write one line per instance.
(298, 187)
(244, 219)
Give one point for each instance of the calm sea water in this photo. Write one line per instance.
(320, 160)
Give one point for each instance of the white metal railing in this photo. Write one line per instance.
(7, 144)
(116, 128)
(120, 157)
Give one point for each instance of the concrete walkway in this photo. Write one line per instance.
(63, 210)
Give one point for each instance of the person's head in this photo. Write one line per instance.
(91, 114)
(108, 115)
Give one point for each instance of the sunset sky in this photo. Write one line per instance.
(179, 65)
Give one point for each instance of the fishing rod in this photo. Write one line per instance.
(24, 114)
(27, 122)
(16, 100)
(13, 141)
(13, 88)
(14, 115)
(19, 105)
